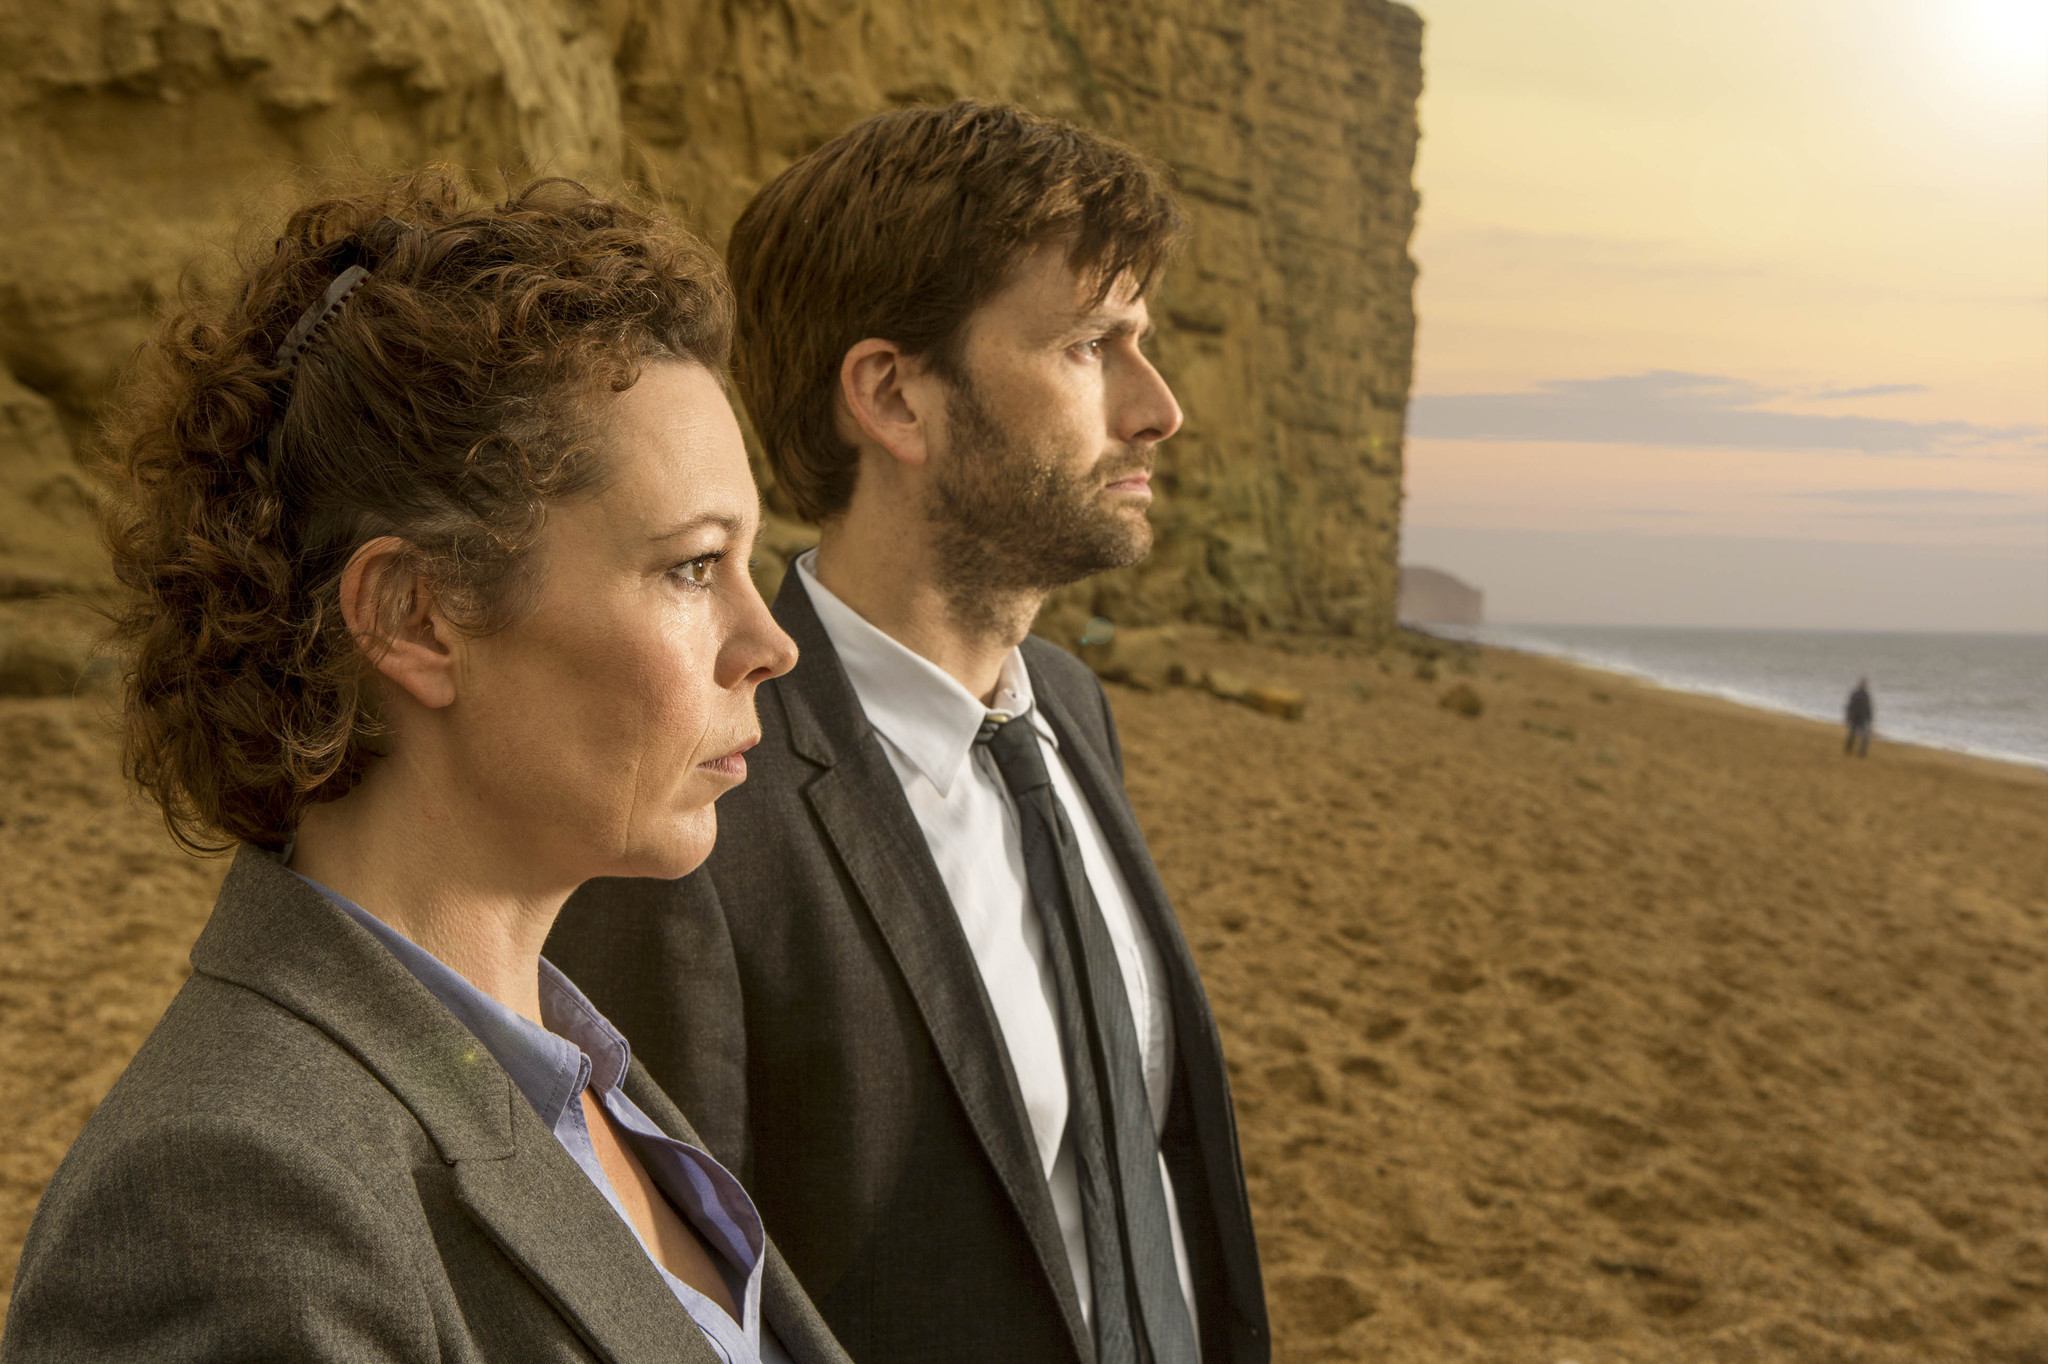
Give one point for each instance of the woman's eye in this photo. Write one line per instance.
(696, 572)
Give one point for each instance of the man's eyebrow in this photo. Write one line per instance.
(1108, 324)
(733, 525)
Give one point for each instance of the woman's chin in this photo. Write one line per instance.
(673, 852)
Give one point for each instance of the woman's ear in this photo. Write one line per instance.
(886, 399)
(397, 621)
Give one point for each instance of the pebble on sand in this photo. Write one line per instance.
(1462, 700)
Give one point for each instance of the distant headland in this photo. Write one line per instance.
(1430, 596)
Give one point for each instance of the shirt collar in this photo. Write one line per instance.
(551, 1065)
(913, 703)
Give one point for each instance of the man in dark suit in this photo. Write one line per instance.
(978, 1090)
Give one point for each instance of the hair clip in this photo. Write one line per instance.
(311, 320)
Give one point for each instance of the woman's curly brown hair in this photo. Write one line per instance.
(446, 402)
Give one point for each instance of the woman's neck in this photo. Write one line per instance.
(438, 878)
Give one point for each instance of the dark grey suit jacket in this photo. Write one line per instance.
(869, 1102)
(311, 1159)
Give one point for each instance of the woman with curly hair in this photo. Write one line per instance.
(435, 539)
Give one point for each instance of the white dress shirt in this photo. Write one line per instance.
(927, 722)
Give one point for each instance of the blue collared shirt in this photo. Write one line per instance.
(552, 1066)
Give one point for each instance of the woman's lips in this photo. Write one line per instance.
(733, 766)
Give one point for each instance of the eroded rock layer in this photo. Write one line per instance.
(134, 134)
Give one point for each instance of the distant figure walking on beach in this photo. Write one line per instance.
(1859, 717)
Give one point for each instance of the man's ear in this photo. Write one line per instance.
(397, 621)
(888, 400)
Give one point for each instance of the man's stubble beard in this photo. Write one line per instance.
(1010, 523)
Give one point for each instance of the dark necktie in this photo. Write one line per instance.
(1140, 1313)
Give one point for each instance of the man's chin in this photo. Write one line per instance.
(1129, 542)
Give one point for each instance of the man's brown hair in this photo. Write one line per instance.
(900, 228)
(445, 401)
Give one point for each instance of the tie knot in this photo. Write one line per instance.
(1014, 745)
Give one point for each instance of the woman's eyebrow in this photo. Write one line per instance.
(733, 525)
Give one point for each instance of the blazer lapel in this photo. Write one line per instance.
(574, 1248)
(859, 802)
(274, 934)
(785, 1308)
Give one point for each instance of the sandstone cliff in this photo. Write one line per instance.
(133, 133)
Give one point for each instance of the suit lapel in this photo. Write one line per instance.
(275, 935)
(859, 802)
(1105, 796)
(1197, 1043)
(1194, 1026)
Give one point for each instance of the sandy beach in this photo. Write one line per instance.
(1609, 1024)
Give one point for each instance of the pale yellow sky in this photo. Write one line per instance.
(1749, 270)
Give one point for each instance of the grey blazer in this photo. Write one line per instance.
(310, 1159)
(869, 1103)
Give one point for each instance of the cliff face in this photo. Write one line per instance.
(134, 133)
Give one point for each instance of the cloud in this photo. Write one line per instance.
(1829, 392)
(1636, 259)
(1673, 408)
(1650, 511)
(1953, 517)
(1977, 508)
(1896, 496)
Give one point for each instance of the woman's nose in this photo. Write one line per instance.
(758, 647)
(780, 650)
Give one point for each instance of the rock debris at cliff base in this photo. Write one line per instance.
(1607, 1025)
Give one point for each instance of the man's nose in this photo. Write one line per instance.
(1149, 412)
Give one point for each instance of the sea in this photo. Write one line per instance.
(1981, 694)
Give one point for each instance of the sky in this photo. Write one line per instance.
(1735, 314)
